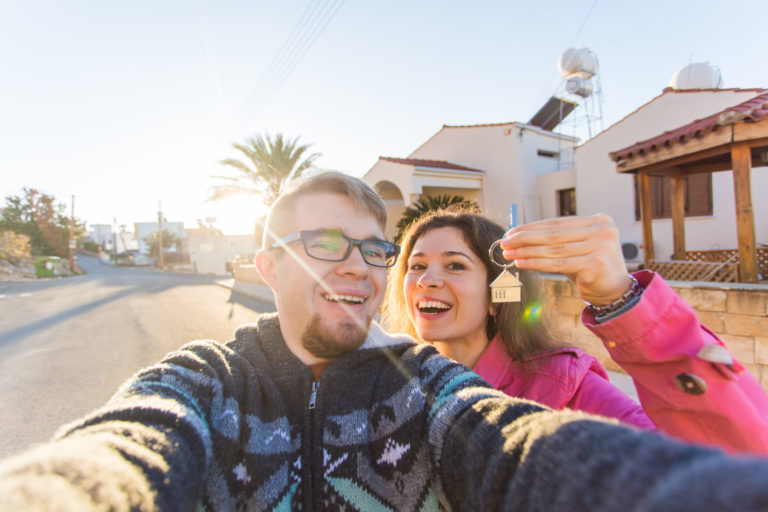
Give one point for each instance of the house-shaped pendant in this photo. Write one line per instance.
(506, 287)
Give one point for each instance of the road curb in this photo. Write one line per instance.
(254, 291)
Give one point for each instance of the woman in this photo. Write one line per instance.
(688, 384)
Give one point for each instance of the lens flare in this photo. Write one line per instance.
(532, 314)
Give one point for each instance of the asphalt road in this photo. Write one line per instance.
(67, 344)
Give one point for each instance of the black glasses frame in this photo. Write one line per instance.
(353, 242)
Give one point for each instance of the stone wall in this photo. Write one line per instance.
(737, 313)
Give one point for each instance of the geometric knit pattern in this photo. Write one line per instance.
(395, 427)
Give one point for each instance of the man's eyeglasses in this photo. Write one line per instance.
(331, 245)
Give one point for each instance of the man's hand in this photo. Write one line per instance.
(587, 250)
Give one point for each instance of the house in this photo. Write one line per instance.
(547, 175)
(211, 252)
(710, 208)
(491, 164)
(144, 229)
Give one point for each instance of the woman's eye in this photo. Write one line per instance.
(456, 266)
(416, 266)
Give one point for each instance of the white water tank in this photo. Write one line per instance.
(581, 62)
(579, 86)
(697, 75)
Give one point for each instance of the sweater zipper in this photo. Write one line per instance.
(313, 395)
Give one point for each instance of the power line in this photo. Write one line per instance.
(312, 23)
(573, 42)
(279, 57)
(293, 60)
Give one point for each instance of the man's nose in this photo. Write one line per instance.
(354, 264)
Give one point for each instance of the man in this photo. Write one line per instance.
(316, 408)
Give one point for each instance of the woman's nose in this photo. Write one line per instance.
(430, 279)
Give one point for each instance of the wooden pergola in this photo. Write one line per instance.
(729, 140)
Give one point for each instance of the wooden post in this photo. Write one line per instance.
(745, 217)
(644, 189)
(678, 216)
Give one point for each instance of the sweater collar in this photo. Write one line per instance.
(267, 330)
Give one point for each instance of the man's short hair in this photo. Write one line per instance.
(333, 182)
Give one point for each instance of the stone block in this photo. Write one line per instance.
(754, 370)
(741, 347)
(748, 302)
(702, 299)
(761, 350)
(745, 325)
(713, 320)
(764, 377)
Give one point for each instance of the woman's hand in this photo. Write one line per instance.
(587, 250)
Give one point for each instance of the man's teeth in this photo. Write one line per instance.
(353, 299)
(432, 304)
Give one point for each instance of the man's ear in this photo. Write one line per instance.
(265, 264)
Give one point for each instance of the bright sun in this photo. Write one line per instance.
(237, 215)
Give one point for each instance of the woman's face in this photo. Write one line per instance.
(445, 289)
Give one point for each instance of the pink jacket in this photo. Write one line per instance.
(687, 381)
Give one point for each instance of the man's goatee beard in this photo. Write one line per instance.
(324, 343)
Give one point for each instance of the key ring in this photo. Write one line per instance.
(505, 266)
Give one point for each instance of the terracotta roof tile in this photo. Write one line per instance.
(419, 162)
(752, 110)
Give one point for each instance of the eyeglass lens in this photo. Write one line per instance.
(333, 246)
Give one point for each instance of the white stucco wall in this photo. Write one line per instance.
(547, 186)
(209, 254)
(508, 155)
(599, 188)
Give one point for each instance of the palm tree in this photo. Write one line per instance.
(271, 162)
(431, 203)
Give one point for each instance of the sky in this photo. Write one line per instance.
(129, 106)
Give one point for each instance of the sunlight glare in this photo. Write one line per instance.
(237, 215)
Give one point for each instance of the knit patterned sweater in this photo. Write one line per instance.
(391, 426)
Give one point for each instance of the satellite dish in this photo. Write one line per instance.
(581, 62)
(697, 75)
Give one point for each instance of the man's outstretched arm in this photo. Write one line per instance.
(508, 454)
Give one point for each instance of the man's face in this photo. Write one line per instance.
(325, 307)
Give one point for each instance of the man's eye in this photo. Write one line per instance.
(375, 252)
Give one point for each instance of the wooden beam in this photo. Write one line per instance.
(717, 166)
(678, 216)
(644, 189)
(743, 132)
(714, 140)
(745, 217)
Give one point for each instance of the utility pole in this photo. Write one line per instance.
(160, 234)
(114, 240)
(72, 242)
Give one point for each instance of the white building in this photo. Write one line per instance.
(600, 188)
(491, 164)
(210, 252)
(143, 229)
(495, 164)
(102, 234)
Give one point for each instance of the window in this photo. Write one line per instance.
(566, 201)
(698, 196)
(547, 154)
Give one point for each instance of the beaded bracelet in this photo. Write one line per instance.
(633, 291)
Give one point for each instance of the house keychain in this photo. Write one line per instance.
(506, 287)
